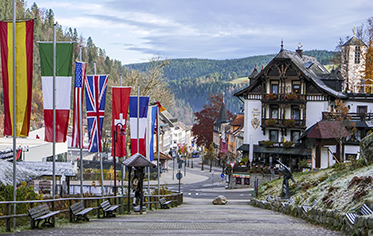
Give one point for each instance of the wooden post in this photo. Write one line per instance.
(129, 190)
(8, 212)
(70, 213)
(98, 208)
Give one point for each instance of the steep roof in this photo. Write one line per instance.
(137, 160)
(312, 68)
(354, 41)
(327, 130)
(238, 120)
(308, 65)
(223, 115)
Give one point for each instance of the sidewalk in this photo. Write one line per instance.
(166, 178)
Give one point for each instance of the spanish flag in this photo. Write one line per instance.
(24, 65)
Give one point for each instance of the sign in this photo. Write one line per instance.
(222, 176)
(245, 176)
(179, 176)
(232, 164)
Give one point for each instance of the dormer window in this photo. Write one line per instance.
(357, 55)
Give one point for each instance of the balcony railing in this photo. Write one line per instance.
(268, 143)
(281, 123)
(283, 97)
(352, 116)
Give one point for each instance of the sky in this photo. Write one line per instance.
(134, 31)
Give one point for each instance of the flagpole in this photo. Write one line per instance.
(81, 126)
(123, 167)
(159, 171)
(54, 111)
(14, 115)
(138, 117)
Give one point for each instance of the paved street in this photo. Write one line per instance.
(197, 216)
(194, 217)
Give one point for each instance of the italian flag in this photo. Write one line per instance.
(23, 77)
(64, 53)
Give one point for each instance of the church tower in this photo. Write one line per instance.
(353, 64)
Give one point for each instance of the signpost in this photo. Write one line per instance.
(179, 176)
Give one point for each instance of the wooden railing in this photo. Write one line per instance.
(94, 202)
(280, 123)
(283, 97)
(352, 116)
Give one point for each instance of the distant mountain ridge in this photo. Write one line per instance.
(194, 68)
(191, 80)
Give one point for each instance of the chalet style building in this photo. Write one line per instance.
(285, 101)
(219, 138)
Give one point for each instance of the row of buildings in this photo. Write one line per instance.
(290, 111)
(173, 135)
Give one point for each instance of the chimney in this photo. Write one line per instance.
(299, 50)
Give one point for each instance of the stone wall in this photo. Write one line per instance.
(331, 219)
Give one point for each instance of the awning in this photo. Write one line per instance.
(274, 150)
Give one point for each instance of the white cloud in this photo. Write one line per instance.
(209, 28)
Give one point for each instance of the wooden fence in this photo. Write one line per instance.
(63, 204)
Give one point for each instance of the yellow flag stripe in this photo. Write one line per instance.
(21, 74)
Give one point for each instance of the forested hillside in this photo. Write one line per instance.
(191, 80)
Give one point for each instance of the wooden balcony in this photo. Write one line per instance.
(352, 116)
(283, 98)
(283, 123)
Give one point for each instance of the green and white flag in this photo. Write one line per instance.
(64, 53)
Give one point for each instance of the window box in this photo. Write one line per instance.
(268, 143)
(289, 123)
(291, 96)
(271, 122)
(271, 96)
(288, 144)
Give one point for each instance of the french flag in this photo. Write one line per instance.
(143, 111)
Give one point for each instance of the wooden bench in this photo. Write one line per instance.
(79, 212)
(365, 210)
(164, 204)
(40, 213)
(108, 209)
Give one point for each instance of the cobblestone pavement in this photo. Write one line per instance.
(194, 217)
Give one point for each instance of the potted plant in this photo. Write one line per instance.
(291, 96)
(288, 144)
(289, 123)
(271, 96)
(271, 122)
(268, 143)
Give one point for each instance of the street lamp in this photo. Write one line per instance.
(172, 154)
(122, 132)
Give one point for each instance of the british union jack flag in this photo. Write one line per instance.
(95, 98)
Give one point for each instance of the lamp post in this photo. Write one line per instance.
(121, 132)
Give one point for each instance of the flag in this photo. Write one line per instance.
(121, 97)
(161, 108)
(64, 54)
(19, 154)
(152, 114)
(144, 101)
(24, 66)
(95, 92)
(80, 69)
(223, 142)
